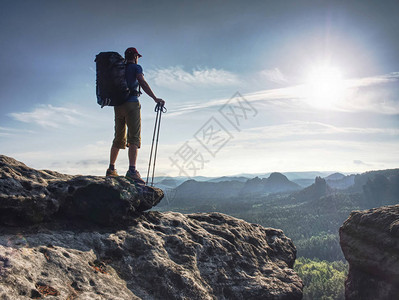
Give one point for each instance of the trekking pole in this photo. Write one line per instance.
(152, 146)
(159, 109)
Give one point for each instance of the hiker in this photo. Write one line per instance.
(128, 114)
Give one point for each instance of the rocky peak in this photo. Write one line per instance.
(277, 178)
(370, 242)
(320, 182)
(275, 183)
(317, 190)
(254, 181)
(335, 176)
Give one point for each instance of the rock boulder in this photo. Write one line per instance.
(370, 242)
(32, 196)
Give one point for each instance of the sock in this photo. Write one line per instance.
(111, 167)
(132, 169)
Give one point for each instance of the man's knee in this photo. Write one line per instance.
(119, 144)
(134, 142)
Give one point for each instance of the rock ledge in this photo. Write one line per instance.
(31, 196)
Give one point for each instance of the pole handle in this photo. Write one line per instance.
(160, 107)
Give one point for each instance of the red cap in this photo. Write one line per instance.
(132, 50)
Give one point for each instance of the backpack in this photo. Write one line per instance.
(111, 85)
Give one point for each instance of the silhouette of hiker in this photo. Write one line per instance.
(128, 114)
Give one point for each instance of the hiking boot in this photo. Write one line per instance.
(134, 176)
(111, 173)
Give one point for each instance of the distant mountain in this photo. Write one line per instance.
(275, 183)
(278, 182)
(382, 188)
(302, 178)
(219, 189)
(304, 182)
(229, 178)
(361, 180)
(335, 176)
(167, 183)
(192, 192)
(293, 176)
(318, 189)
(171, 182)
(340, 181)
(204, 192)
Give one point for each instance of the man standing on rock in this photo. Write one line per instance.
(128, 114)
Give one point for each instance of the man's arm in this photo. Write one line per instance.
(147, 89)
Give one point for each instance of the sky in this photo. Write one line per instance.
(250, 86)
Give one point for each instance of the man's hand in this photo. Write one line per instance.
(160, 101)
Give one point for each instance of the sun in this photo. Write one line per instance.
(324, 86)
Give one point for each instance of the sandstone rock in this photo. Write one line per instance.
(87, 237)
(32, 196)
(370, 243)
(159, 256)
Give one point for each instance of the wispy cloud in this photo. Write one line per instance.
(273, 75)
(374, 80)
(361, 163)
(6, 131)
(302, 129)
(49, 116)
(177, 78)
(376, 94)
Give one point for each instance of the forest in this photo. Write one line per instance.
(311, 217)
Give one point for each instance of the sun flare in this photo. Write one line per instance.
(324, 86)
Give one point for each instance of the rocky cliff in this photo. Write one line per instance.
(86, 237)
(31, 196)
(370, 243)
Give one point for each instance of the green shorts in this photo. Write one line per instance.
(127, 114)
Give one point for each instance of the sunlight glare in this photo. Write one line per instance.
(325, 86)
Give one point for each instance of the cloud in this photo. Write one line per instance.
(374, 80)
(49, 116)
(302, 129)
(7, 132)
(361, 163)
(273, 75)
(177, 78)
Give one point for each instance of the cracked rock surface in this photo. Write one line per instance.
(159, 256)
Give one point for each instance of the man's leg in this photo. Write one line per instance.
(132, 155)
(133, 134)
(111, 171)
(134, 140)
(119, 141)
(132, 173)
(113, 155)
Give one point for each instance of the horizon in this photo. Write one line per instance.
(250, 88)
